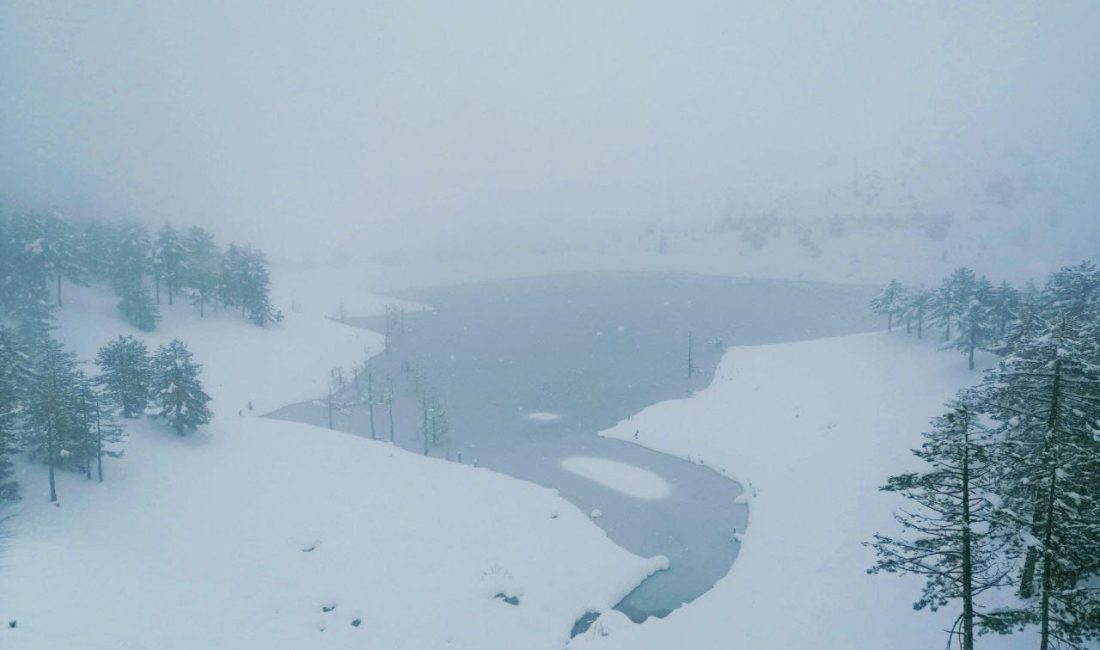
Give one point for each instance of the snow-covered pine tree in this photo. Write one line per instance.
(102, 432)
(1045, 401)
(1004, 306)
(202, 268)
(24, 278)
(61, 247)
(129, 263)
(85, 391)
(950, 537)
(231, 278)
(170, 257)
(50, 415)
(246, 283)
(98, 239)
(952, 298)
(126, 375)
(176, 388)
(918, 304)
(976, 330)
(1029, 319)
(136, 306)
(434, 425)
(1073, 290)
(10, 361)
(889, 302)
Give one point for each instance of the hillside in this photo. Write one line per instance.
(813, 428)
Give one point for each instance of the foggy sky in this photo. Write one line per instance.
(357, 125)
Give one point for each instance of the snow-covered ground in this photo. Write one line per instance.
(812, 429)
(278, 535)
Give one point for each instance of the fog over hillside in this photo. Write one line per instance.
(456, 131)
(550, 324)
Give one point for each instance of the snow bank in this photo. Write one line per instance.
(812, 430)
(619, 476)
(278, 535)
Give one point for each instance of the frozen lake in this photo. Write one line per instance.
(528, 371)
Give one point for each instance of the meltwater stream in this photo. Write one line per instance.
(528, 371)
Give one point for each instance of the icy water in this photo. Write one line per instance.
(528, 371)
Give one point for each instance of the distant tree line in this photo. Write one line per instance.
(1003, 520)
(51, 408)
(39, 251)
(972, 312)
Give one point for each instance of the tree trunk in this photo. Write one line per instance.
(390, 409)
(49, 458)
(98, 443)
(970, 348)
(425, 432)
(1048, 564)
(1047, 576)
(370, 404)
(890, 322)
(202, 305)
(920, 327)
(691, 363)
(170, 292)
(967, 558)
(156, 284)
(330, 408)
(909, 325)
(58, 289)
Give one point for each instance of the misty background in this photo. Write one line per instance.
(497, 138)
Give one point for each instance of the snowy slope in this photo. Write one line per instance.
(270, 366)
(243, 534)
(812, 429)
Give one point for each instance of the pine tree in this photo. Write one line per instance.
(51, 421)
(975, 327)
(952, 299)
(61, 249)
(1074, 291)
(246, 282)
(950, 538)
(25, 269)
(130, 260)
(1045, 401)
(177, 390)
(102, 433)
(136, 306)
(10, 361)
(889, 302)
(98, 245)
(434, 425)
(917, 308)
(170, 258)
(1004, 306)
(126, 374)
(203, 266)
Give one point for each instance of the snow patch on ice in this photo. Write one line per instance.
(543, 416)
(619, 476)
